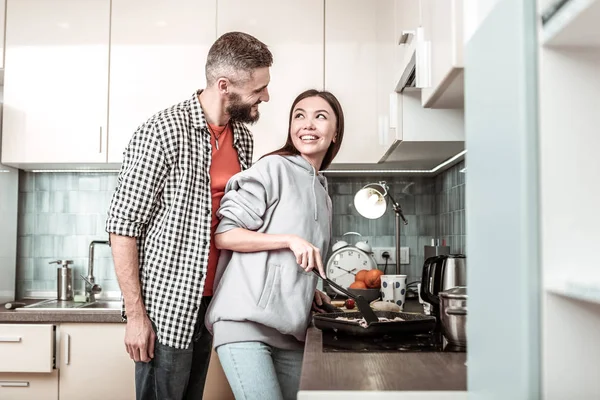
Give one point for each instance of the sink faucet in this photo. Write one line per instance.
(91, 287)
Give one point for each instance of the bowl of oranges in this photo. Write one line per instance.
(367, 283)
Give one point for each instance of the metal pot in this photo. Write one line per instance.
(453, 315)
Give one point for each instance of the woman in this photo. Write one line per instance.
(276, 224)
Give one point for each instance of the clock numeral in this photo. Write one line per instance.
(331, 270)
(350, 253)
(341, 256)
(335, 263)
(364, 262)
(358, 255)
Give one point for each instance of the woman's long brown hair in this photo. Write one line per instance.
(289, 149)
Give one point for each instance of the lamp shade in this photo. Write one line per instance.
(370, 201)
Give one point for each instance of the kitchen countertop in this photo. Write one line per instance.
(435, 375)
(104, 316)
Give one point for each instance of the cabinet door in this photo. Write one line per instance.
(359, 57)
(94, 363)
(56, 81)
(443, 26)
(157, 57)
(293, 30)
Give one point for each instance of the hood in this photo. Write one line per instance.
(303, 164)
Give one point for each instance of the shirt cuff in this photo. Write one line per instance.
(123, 227)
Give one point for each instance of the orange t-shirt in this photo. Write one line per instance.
(224, 165)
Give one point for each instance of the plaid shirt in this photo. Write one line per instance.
(163, 199)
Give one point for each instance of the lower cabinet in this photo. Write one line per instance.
(93, 363)
(65, 361)
(29, 385)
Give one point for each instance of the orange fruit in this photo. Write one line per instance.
(361, 275)
(373, 279)
(358, 285)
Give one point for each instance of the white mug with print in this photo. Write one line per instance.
(393, 289)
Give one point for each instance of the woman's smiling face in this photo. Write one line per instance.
(312, 128)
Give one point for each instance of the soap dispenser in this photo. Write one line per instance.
(64, 280)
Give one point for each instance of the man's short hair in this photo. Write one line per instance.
(235, 55)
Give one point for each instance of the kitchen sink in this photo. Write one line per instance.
(71, 306)
(103, 305)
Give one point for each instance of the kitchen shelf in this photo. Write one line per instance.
(574, 24)
(574, 288)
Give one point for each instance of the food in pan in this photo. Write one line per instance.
(363, 323)
(385, 306)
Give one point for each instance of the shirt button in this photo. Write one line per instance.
(195, 308)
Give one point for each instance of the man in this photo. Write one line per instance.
(162, 216)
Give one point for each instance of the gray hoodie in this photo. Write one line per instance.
(265, 295)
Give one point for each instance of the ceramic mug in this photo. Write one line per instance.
(393, 289)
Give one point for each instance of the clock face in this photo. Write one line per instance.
(345, 263)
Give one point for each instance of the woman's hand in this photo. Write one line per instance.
(318, 301)
(307, 255)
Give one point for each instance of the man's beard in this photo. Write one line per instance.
(239, 111)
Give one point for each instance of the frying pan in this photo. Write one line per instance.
(410, 324)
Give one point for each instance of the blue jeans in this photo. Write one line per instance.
(257, 371)
(176, 374)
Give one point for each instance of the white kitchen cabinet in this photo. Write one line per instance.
(2, 23)
(28, 386)
(293, 31)
(93, 363)
(443, 28)
(56, 80)
(158, 51)
(27, 347)
(359, 71)
(569, 61)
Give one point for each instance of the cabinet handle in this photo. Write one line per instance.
(101, 139)
(10, 338)
(67, 349)
(13, 384)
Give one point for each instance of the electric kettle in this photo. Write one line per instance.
(441, 273)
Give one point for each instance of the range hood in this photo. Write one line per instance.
(415, 71)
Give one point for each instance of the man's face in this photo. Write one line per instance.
(245, 98)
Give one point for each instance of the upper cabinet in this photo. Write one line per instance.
(158, 50)
(56, 79)
(293, 30)
(443, 29)
(82, 75)
(359, 71)
(2, 22)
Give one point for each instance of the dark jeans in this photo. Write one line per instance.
(176, 374)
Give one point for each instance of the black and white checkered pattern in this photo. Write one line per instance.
(163, 199)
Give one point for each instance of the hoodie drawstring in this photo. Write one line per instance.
(314, 192)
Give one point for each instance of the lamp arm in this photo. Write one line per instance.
(397, 208)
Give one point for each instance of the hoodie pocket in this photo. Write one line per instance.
(272, 279)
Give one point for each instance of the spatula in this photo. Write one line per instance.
(362, 304)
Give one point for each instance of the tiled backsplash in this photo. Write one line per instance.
(433, 207)
(61, 213)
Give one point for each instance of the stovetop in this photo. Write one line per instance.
(432, 342)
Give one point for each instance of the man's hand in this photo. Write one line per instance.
(307, 255)
(318, 301)
(139, 338)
